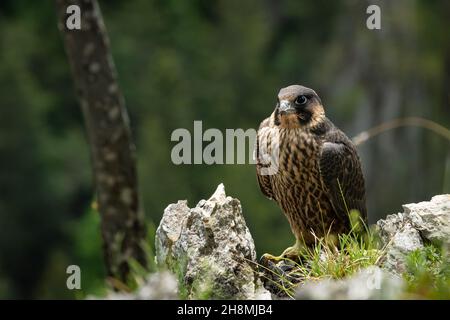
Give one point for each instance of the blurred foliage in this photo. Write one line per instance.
(221, 62)
(428, 274)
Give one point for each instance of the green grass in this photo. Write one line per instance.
(428, 273)
(329, 259)
(333, 256)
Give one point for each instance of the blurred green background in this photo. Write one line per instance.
(222, 62)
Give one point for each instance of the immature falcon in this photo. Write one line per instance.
(318, 177)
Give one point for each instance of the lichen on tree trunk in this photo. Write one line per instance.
(107, 123)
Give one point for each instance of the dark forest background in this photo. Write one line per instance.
(221, 62)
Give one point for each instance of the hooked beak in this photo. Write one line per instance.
(286, 107)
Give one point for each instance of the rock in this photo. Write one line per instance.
(169, 230)
(277, 277)
(399, 238)
(210, 248)
(431, 218)
(157, 286)
(369, 283)
(405, 232)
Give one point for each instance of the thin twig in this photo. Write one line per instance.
(402, 122)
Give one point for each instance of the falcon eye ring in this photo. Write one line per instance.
(300, 100)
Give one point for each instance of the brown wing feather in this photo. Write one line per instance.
(264, 181)
(341, 173)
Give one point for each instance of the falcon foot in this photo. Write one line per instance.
(291, 253)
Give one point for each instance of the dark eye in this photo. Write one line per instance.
(300, 100)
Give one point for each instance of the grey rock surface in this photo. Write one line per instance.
(369, 283)
(431, 218)
(399, 238)
(157, 286)
(402, 233)
(210, 249)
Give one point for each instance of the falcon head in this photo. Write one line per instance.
(298, 107)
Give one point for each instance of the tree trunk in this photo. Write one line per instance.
(112, 150)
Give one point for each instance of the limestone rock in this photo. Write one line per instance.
(210, 248)
(157, 286)
(431, 218)
(405, 232)
(369, 283)
(399, 238)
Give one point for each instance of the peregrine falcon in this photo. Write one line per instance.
(318, 177)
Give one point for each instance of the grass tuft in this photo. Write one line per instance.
(428, 273)
(330, 258)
